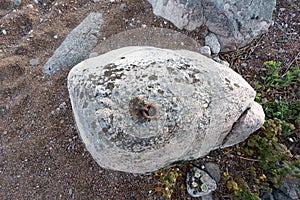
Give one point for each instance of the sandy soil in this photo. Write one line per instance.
(41, 154)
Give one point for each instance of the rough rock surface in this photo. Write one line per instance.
(199, 183)
(288, 191)
(244, 123)
(205, 50)
(235, 22)
(211, 40)
(77, 45)
(198, 101)
(213, 170)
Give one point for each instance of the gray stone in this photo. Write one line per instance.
(279, 195)
(122, 6)
(205, 50)
(4, 32)
(199, 183)
(244, 123)
(291, 190)
(287, 191)
(266, 195)
(70, 191)
(235, 22)
(18, 2)
(207, 197)
(211, 40)
(34, 62)
(198, 101)
(213, 170)
(77, 45)
(243, 64)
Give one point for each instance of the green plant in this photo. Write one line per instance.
(167, 179)
(239, 187)
(276, 78)
(282, 110)
(277, 93)
(276, 88)
(266, 146)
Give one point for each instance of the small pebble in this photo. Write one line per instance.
(281, 50)
(4, 32)
(70, 191)
(52, 113)
(18, 2)
(214, 171)
(291, 139)
(205, 50)
(35, 1)
(212, 41)
(55, 36)
(34, 62)
(282, 9)
(122, 6)
(243, 64)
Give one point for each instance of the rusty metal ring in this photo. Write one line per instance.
(145, 111)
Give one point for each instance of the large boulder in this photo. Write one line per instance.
(139, 109)
(234, 22)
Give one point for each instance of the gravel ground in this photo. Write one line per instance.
(41, 154)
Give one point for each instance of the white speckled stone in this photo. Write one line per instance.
(199, 103)
(235, 22)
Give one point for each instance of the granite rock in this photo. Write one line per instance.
(196, 104)
(211, 40)
(199, 183)
(205, 50)
(214, 171)
(234, 22)
(77, 45)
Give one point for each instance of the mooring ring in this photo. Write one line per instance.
(149, 111)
